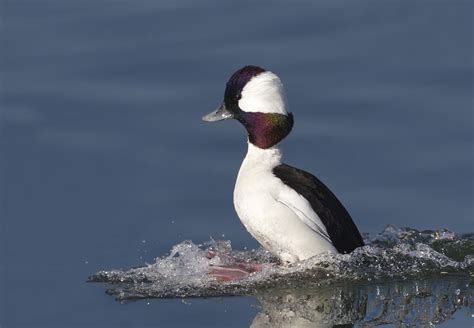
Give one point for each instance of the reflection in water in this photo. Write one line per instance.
(402, 276)
(412, 303)
(309, 308)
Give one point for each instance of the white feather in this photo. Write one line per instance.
(274, 214)
(303, 210)
(263, 93)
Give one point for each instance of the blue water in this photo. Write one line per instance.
(106, 164)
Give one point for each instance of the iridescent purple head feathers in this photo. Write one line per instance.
(255, 98)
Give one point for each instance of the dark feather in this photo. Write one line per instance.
(341, 229)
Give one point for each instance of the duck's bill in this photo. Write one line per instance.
(219, 114)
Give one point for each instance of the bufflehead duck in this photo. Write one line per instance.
(287, 210)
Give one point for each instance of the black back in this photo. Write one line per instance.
(341, 229)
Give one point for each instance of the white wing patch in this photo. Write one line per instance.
(301, 207)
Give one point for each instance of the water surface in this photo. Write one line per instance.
(105, 163)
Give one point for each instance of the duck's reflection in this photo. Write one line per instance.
(406, 303)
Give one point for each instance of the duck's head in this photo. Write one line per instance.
(255, 98)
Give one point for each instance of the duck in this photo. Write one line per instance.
(290, 212)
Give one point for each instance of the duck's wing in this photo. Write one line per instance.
(303, 210)
(325, 213)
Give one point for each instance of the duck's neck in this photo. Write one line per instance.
(268, 157)
(265, 130)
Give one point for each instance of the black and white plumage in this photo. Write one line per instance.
(289, 211)
(339, 225)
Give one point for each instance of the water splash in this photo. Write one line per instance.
(393, 253)
(401, 276)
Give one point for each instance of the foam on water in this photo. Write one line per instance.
(393, 254)
(402, 276)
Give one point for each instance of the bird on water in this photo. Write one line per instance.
(288, 211)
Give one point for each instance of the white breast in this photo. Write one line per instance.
(274, 214)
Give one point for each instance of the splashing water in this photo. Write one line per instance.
(392, 254)
(401, 276)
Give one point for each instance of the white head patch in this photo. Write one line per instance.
(263, 93)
